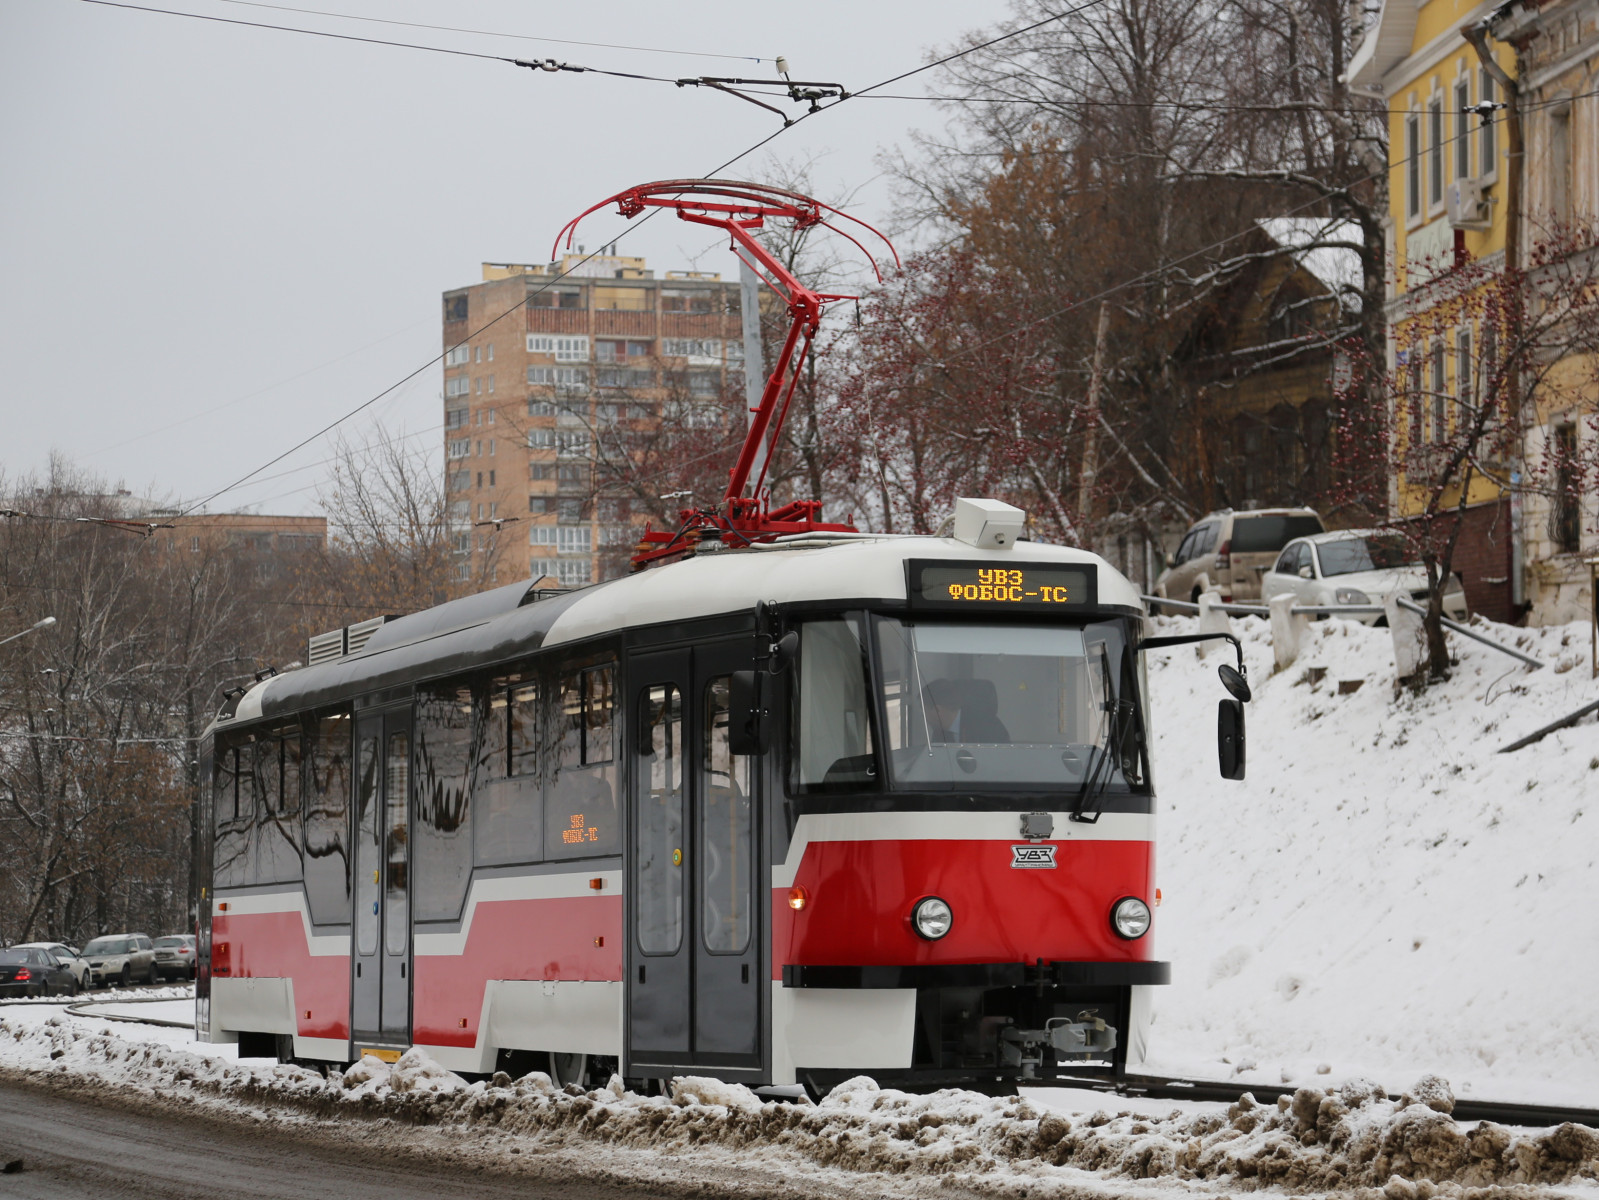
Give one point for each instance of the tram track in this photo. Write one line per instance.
(1164, 1087)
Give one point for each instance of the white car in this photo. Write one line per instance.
(1356, 566)
(68, 957)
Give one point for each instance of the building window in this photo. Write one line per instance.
(541, 439)
(1462, 127)
(686, 300)
(540, 343)
(572, 445)
(459, 448)
(571, 349)
(459, 481)
(624, 377)
(539, 504)
(541, 470)
(491, 351)
(1435, 152)
(1464, 396)
(459, 386)
(455, 307)
(480, 448)
(1565, 517)
(572, 572)
(1489, 162)
(491, 483)
(480, 484)
(1560, 163)
(552, 297)
(540, 408)
(491, 447)
(480, 354)
(491, 390)
(1413, 166)
(694, 348)
(455, 418)
(735, 351)
(570, 510)
(1439, 396)
(457, 356)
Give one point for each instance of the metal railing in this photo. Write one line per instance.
(1320, 610)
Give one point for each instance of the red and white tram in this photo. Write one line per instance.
(784, 808)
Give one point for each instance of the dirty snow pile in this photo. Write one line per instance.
(1386, 894)
(1347, 1137)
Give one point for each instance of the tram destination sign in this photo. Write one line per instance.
(1015, 587)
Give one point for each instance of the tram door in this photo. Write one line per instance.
(381, 984)
(694, 955)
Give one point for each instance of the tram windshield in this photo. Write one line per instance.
(1013, 706)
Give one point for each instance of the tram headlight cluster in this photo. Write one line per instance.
(932, 918)
(1130, 918)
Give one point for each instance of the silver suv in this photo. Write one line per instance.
(1229, 552)
(121, 958)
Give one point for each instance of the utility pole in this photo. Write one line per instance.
(1085, 478)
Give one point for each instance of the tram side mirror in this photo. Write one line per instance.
(1230, 738)
(746, 732)
(784, 651)
(1235, 683)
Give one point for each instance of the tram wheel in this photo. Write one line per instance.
(568, 1068)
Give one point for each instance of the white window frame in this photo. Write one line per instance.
(1413, 170)
(541, 343)
(1437, 144)
(458, 356)
(461, 448)
(1462, 95)
(459, 386)
(571, 349)
(1488, 132)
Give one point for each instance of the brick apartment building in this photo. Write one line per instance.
(532, 403)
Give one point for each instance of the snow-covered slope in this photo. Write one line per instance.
(1385, 894)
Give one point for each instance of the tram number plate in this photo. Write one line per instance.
(1032, 857)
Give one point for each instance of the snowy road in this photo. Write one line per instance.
(73, 1148)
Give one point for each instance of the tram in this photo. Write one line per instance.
(785, 806)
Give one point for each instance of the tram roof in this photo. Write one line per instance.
(507, 622)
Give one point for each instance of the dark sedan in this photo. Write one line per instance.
(26, 971)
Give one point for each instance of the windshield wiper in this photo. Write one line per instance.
(1098, 779)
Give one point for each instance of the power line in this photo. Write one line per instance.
(495, 33)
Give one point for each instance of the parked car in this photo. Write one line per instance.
(121, 958)
(30, 971)
(1229, 552)
(68, 955)
(1356, 566)
(174, 956)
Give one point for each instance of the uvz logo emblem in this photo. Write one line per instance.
(1034, 857)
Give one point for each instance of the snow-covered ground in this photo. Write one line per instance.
(1385, 894)
(1385, 898)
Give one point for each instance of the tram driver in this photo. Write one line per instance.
(964, 710)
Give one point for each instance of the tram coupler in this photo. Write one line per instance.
(1025, 1048)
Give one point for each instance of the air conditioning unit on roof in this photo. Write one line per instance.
(1467, 206)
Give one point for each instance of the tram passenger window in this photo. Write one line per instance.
(727, 857)
(443, 855)
(228, 860)
(506, 792)
(523, 704)
(580, 817)
(278, 829)
(327, 819)
(368, 821)
(258, 784)
(659, 831)
(396, 846)
(832, 732)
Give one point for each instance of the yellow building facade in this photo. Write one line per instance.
(1448, 190)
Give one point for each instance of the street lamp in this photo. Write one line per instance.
(40, 624)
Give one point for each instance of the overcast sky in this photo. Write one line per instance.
(216, 239)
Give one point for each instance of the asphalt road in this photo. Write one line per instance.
(71, 1147)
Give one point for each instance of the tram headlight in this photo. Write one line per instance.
(932, 918)
(1130, 918)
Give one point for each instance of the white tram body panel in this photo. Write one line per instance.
(521, 825)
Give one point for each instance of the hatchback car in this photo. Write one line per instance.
(1229, 552)
(67, 954)
(1356, 566)
(174, 956)
(121, 958)
(30, 971)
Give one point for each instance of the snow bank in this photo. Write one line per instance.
(1385, 894)
(1336, 1139)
